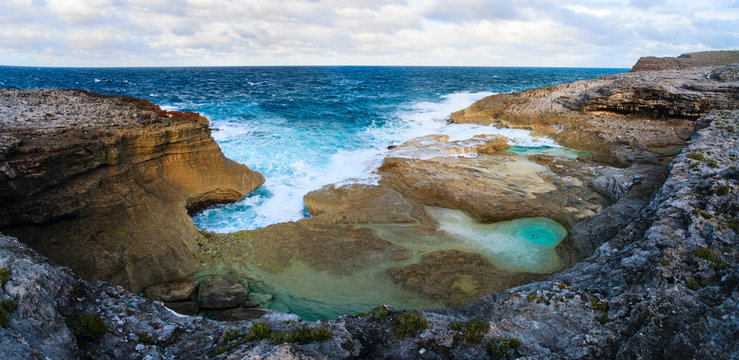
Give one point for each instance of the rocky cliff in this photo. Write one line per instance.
(684, 61)
(643, 109)
(665, 286)
(103, 184)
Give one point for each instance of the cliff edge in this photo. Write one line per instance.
(103, 184)
(684, 61)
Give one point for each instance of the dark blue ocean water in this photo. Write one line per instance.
(304, 127)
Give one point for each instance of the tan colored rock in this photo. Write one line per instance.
(176, 290)
(497, 187)
(325, 247)
(641, 109)
(684, 61)
(103, 184)
(456, 277)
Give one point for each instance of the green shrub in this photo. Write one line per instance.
(231, 335)
(474, 330)
(321, 333)
(665, 262)
(5, 275)
(598, 304)
(499, 347)
(711, 256)
(257, 332)
(409, 324)
(723, 190)
(691, 284)
(456, 326)
(9, 305)
(532, 296)
(89, 328)
(602, 318)
(379, 312)
(696, 156)
(143, 338)
(4, 318)
(280, 337)
(712, 163)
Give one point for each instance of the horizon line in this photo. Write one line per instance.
(266, 66)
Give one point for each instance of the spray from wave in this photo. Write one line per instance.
(298, 159)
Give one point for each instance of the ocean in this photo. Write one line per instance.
(306, 127)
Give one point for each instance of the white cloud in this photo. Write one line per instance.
(423, 32)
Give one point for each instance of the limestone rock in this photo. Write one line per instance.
(110, 180)
(222, 293)
(641, 109)
(684, 61)
(176, 290)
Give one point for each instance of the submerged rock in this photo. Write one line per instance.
(176, 290)
(222, 293)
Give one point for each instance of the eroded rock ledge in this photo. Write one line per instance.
(666, 286)
(102, 184)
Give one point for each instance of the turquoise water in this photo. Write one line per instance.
(305, 127)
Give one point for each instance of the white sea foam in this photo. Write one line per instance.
(296, 160)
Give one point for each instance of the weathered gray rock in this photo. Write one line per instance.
(222, 293)
(176, 290)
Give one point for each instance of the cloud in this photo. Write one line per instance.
(365, 32)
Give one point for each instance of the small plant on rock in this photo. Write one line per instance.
(499, 347)
(378, 312)
(409, 324)
(9, 305)
(691, 284)
(5, 275)
(89, 328)
(474, 330)
(257, 332)
(707, 254)
(231, 335)
(532, 296)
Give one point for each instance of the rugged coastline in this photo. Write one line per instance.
(651, 262)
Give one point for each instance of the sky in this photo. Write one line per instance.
(588, 33)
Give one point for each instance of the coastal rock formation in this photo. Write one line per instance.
(103, 184)
(665, 286)
(684, 61)
(649, 109)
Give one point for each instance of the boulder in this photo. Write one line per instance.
(222, 293)
(176, 290)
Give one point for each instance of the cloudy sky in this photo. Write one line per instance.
(611, 33)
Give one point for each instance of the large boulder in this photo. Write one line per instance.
(176, 290)
(222, 293)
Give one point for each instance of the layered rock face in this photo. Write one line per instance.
(641, 109)
(103, 184)
(665, 286)
(684, 61)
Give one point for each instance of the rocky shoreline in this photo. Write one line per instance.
(647, 274)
